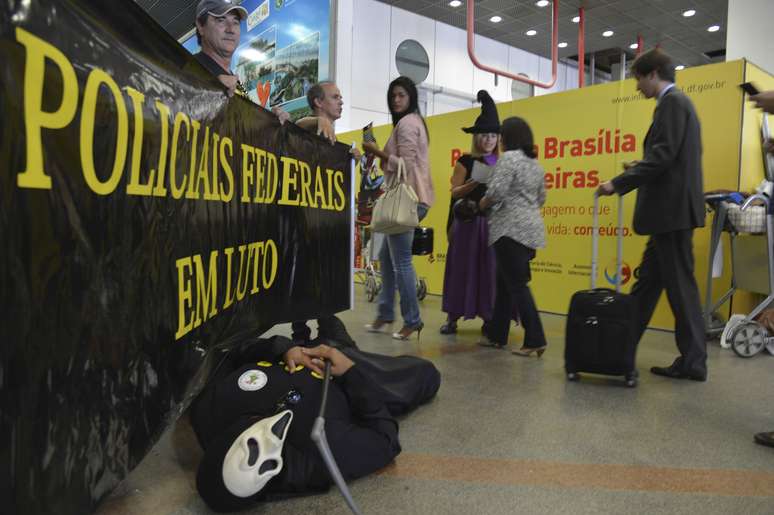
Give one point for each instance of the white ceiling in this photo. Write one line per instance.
(657, 21)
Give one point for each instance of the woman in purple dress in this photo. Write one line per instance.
(468, 285)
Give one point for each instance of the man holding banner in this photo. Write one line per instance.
(670, 205)
(218, 27)
(326, 103)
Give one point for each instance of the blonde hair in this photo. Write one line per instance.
(475, 145)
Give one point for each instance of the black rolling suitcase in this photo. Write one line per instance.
(602, 323)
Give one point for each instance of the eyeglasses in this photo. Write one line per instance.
(291, 398)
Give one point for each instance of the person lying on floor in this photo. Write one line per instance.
(255, 417)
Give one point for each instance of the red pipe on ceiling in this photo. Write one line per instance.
(471, 20)
(582, 47)
(639, 44)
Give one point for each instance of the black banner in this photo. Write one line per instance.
(146, 220)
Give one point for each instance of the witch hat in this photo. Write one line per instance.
(487, 121)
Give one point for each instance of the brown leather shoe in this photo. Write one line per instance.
(675, 373)
(766, 439)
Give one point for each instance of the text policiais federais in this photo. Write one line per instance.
(210, 175)
(196, 164)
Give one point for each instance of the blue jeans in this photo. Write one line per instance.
(398, 270)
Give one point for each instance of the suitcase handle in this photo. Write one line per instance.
(595, 244)
(602, 290)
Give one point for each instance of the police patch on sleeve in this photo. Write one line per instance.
(252, 380)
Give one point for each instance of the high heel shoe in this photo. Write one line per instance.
(378, 326)
(406, 332)
(527, 351)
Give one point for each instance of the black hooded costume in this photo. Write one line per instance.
(360, 425)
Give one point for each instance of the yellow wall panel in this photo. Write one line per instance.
(583, 137)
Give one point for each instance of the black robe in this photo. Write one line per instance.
(360, 425)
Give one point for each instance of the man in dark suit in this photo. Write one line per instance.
(765, 101)
(670, 204)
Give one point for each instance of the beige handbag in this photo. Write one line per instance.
(396, 210)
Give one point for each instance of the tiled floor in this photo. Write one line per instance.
(508, 434)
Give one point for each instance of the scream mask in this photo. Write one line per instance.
(255, 456)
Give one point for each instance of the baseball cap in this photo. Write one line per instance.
(219, 8)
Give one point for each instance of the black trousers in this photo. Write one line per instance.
(511, 290)
(667, 263)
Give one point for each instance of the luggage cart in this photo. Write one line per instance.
(370, 190)
(752, 261)
(368, 274)
(371, 243)
(713, 323)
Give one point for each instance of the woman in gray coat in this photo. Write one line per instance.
(515, 195)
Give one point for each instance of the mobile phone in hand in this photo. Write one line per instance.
(749, 88)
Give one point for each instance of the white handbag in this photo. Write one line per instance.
(395, 210)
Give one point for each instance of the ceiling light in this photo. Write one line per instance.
(531, 32)
(455, 3)
(679, 67)
(563, 44)
(576, 19)
(542, 3)
(713, 28)
(496, 19)
(634, 46)
(689, 13)
(608, 33)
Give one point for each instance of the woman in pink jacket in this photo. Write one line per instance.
(409, 140)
